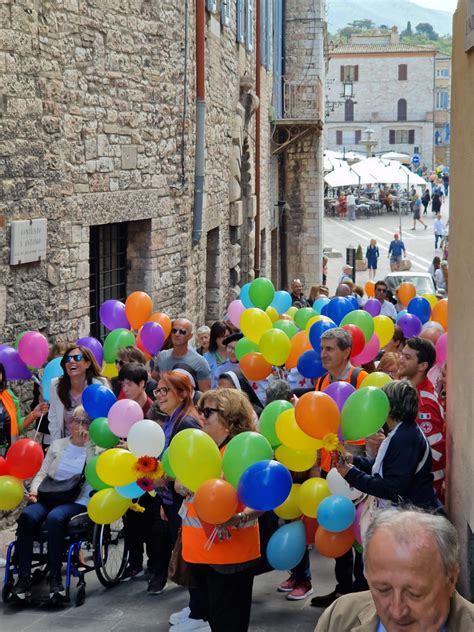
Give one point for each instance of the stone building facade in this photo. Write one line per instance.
(442, 109)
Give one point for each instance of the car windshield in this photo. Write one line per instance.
(423, 284)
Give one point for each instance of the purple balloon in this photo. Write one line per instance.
(15, 368)
(373, 307)
(112, 315)
(339, 392)
(93, 345)
(152, 337)
(410, 324)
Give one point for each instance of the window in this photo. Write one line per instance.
(249, 24)
(349, 110)
(225, 12)
(265, 32)
(442, 100)
(402, 137)
(349, 73)
(402, 72)
(348, 137)
(211, 6)
(240, 28)
(402, 110)
(442, 72)
(358, 135)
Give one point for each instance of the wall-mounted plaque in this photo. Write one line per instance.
(28, 241)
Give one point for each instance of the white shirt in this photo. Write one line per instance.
(438, 226)
(439, 280)
(350, 200)
(388, 309)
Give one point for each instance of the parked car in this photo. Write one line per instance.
(423, 281)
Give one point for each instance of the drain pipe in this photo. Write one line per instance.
(199, 160)
(257, 140)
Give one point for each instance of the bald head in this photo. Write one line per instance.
(343, 290)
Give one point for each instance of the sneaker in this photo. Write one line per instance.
(132, 573)
(192, 624)
(22, 588)
(56, 588)
(426, 226)
(325, 600)
(156, 585)
(300, 591)
(180, 617)
(287, 585)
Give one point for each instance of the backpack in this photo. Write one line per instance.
(353, 381)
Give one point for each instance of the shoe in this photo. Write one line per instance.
(191, 624)
(131, 573)
(300, 591)
(22, 588)
(180, 617)
(287, 585)
(325, 600)
(56, 588)
(426, 226)
(412, 228)
(156, 585)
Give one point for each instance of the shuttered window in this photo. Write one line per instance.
(358, 136)
(402, 72)
(349, 73)
(225, 12)
(401, 136)
(402, 110)
(338, 137)
(391, 137)
(249, 24)
(349, 110)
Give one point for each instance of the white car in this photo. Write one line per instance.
(423, 281)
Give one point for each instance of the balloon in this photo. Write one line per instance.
(286, 547)
(112, 315)
(339, 486)
(319, 303)
(302, 316)
(369, 352)
(18, 338)
(194, 457)
(281, 301)
(165, 462)
(360, 319)
(364, 413)
(234, 312)
(332, 544)
(291, 435)
(152, 337)
(275, 346)
(316, 331)
(24, 458)
(311, 493)
(406, 291)
(268, 420)
(245, 346)
(101, 435)
(369, 288)
(51, 370)
(441, 349)
(122, 415)
(420, 307)
(264, 485)
(115, 466)
(373, 306)
(410, 325)
(377, 378)
(286, 326)
(162, 319)
(315, 319)
(97, 400)
(244, 296)
(146, 438)
(286, 317)
(261, 292)
(358, 339)
(138, 309)
(132, 490)
(384, 329)
(93, 345)
(11, 492)
(15, 368)
(139, 344)
(244, 450)
(354, 301)
(109, 370)
(356, 526)
(291, 311)
(431, 298)
(255, 367)
(117, 339)
(339, 392)
(401, 313)
(432, 331)
(440, 313)
(338, 308)
(289, 509)
(317, 414)
(295, 460)
(272, 313)
(91, 475)
(3, 466)
(215, 501)
(254, 323)
(299, 344)
(336, 513)
(107, 506)
(33, 349)
(310, 365)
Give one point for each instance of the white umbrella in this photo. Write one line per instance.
(333, 154)
(388, 172)
(347, 176)
(330, 163)
(395, 155)
(352, 156)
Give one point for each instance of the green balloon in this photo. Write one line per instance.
(19, 337)
(261, 292)
(92, 477)
(101, 435)
(117, 339)
(364, 413)
(268, 419)
(244, 450)
(165, 462)
(303, 315)
(245, 346)
(360, 319)
(287, 326)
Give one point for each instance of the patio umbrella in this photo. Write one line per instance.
(330, 163)
(395, 155)
(347, 176)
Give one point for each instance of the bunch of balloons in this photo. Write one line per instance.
(23, 460)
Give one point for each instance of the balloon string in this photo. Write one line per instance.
(37, 428)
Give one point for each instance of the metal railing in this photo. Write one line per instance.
(303, 100)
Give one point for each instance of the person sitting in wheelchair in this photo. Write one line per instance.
(58, 493)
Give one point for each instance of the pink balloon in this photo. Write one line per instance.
(441, 349)
(369, 352)
(122, 415)
(33, 349)
(356, 523)
(234, 311)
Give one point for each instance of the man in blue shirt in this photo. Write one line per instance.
(395, 252)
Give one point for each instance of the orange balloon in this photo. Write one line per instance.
(317, 414)
(299, 344)
(369, 288)
(406, 291)
(254, 366)
(332, 544)
(139, 343)
(162, 319)
(215, 501)
(285, 317)
(138, 308)
(440, 313)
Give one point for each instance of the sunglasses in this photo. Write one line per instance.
(206, 412)
(183, 332)
(73, 358)
(163, 391)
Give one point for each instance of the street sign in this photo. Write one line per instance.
(415, 159)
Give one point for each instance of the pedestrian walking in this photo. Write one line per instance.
(436, 199)
(417, 213)
(425, 200)
(351, 206)
(395, 251)
(372, 255)
(438, 226)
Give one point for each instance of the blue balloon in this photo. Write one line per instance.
(319, 303)
(281, 301)
(316, 331)
(339, 307)
(310, 365)
(264, 485)
(287, 546)
(419, 306)
(132, 490)
(51, 370)
(400, 314)
(244, 296)
(354, 301)
(324, 309)
(97, 400)
(336, 513)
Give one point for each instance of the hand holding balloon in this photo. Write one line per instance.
(343, 468)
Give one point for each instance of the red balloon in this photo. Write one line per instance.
(24, 459)
(358, 338)
(3, 467)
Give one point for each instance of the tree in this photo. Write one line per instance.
(363, 25)
(407, 32)
(423, 28)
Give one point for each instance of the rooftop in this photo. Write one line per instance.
(368, 49)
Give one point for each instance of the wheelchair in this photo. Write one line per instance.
(103, 544)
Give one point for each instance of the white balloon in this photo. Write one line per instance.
(146, 438)
(339, 487)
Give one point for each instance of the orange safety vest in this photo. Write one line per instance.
(243, 546)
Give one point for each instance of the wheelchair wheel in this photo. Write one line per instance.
(6, 592)
(110, 553)
(80, 595)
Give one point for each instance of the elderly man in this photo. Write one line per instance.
(297, 295)
(396, 250)
(387, 309)
(411, 565)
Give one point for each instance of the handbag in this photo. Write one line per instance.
(178, 568)
(53, 493)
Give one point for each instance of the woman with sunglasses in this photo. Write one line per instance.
(217, 353)
(66, 458)
(80, 369)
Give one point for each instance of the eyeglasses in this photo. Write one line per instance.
(206, 412)
(76, 358)
(162, 391)
(183, 332)
(81, 421)
(119, 363)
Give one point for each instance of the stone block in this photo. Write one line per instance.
(235, 190)
(236, 214)
(129, 157)
(252, 207)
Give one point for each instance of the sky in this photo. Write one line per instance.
(443, 5)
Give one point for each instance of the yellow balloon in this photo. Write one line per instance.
(291, 435)
(109, 369)
(289, 510)
(194, 458)
(254, 323)
(314, 319)
(291, 311)
(275, 346)
(295, 460)
(384, 329)
(272, 313)
(376, 379)
(311, 493)
(115, 467)
(11, 492)
(107, 505)
(431, 298)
